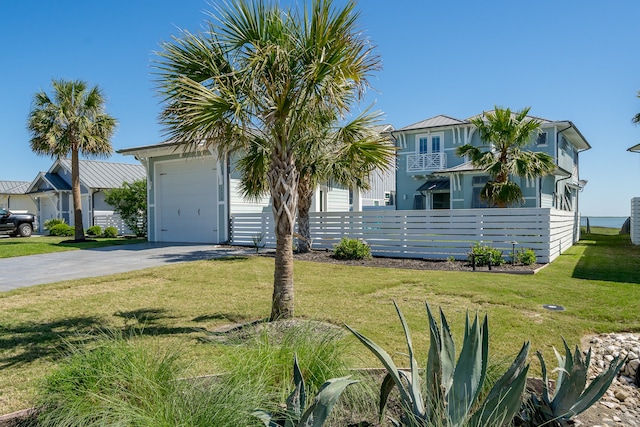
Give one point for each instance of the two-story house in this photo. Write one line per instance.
(429, 174)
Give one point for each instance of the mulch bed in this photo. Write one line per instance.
(413, 264)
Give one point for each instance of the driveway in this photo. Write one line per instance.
(31, 270)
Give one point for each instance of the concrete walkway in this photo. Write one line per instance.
(31, 270)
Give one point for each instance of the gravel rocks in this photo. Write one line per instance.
(620, 404)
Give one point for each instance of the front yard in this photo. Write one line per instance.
(12, 247)
(176, 306)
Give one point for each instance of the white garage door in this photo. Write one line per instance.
(186, 202)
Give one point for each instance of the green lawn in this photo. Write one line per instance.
(596, 281)
(11, 247)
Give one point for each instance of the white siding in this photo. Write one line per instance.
(241, 205)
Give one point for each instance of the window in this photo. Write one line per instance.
(435, 144)
(424, 145)
(429, 143)
(479, 180)
(542, 138)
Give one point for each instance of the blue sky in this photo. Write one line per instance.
(568, 60)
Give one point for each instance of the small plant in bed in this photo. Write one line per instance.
(350, 249)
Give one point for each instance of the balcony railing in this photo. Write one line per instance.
(426, 162)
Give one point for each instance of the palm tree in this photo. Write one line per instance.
(506, 134)
(262, 74)
(348, 155)
(74, 122)
(636, 118)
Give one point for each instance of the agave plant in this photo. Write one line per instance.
(570, 396)
(316, 414)
(452, 389)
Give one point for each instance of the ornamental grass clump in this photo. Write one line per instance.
(121, 381)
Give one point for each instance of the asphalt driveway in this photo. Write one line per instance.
(31, 270)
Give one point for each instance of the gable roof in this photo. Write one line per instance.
(14, 187)
(97, 174)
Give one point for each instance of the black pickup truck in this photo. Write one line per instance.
(15, 224)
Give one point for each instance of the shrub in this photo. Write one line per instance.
(349, 249)
(50, 223)
(130, 201)
(95, 230)
(62, 230)
(110, 232)
(526, 257)
(483, 253)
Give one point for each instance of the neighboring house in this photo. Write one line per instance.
(430, 175)
(51, 190)
(381, 193)
(13, 196)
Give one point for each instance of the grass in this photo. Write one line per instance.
(12, 247)
(176, 305)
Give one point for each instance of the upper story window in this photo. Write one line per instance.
(429, 143)
(542, 138)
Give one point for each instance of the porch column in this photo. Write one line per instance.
(356, 200)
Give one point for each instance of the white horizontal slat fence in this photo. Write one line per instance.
(432, 234)
(113, 220)
(635, 221)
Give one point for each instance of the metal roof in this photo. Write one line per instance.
(97, 174)
(634, 149)
(435, 185)
(14, 187)
(436, 121)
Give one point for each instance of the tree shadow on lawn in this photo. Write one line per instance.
(27, 342)
(609, 258)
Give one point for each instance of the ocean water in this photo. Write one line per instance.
(603, 221)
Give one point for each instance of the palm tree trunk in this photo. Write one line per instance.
(283, 178)
(77, 200)
(305, 197)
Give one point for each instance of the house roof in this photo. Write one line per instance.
(634, 149)
(14, 187)
(437, 121)
(97, 174)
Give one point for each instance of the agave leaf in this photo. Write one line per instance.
(512, 373)
(265, 416)
(386, 361)
(545, 379)
(434, 369)
(328, 395)
(297, 400)
(447, 353)
(466, 376)
(485, 355)
(414, 386)
(385, 389)
(598, 387)
(504, 399)
(572, 386)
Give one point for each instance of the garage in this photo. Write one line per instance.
(187, 201)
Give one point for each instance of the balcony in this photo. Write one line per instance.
(426, 162)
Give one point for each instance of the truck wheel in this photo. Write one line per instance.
(25, 230)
